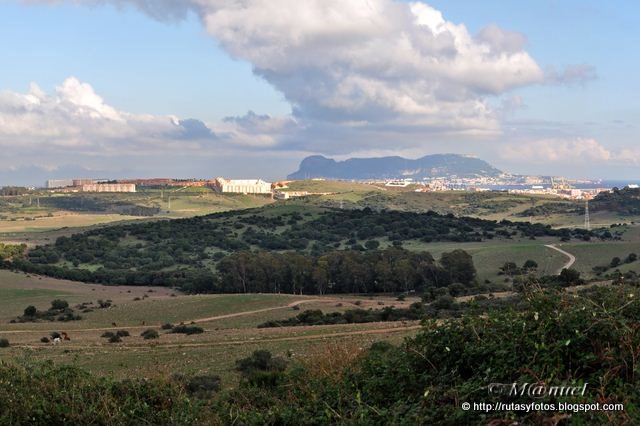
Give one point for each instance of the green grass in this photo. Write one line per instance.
(589, 255)
(489, 256)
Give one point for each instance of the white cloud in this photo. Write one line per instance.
(559, 151)
(369, 62)
(78, 119)
(628, 155)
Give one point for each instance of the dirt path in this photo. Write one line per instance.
(572, 258)
(294, 338)
(248, 341)
(258, 311)
(199, 320)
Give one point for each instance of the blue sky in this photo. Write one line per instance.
(565, 102)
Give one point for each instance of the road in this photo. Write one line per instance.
(572, 258)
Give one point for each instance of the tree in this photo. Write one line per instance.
(59, 305)
(459, 265)
(30, 311)
(530, 265)
(570, 276)
(372, 244)
(615, 262)
(510, 269)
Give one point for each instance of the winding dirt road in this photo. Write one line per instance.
(572, 258)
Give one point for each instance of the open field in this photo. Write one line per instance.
(229, 321)
(21, 221)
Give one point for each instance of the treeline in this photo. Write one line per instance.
(353, 316)
(552, 208)
(349, 271)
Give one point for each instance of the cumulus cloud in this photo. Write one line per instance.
(363, 63)
(257, 130)
(78, 119)
(559, 151)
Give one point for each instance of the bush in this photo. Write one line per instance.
(443, 302)
(167, 326)
(187, 329)
(150, 334)
(122, 333)
(202, 387)
(115, 339)
(45, 339)
(59, 305)
(48, 394)
(4, 343)
(30, 311)
(108, 334)
(261, 369)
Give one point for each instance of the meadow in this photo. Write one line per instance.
(229, 322)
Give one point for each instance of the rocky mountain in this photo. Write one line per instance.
(446, 165)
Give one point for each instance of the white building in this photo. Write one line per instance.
(58, 183)
(242, 186)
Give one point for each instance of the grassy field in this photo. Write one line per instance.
(229, 321)
(21, 221)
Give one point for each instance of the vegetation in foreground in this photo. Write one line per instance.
(588, 338)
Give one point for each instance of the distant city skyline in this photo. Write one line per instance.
(201, 88)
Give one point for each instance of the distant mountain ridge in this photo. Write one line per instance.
(429, 166)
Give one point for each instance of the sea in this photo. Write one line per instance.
(606, 184)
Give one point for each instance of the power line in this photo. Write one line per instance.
(587, 220)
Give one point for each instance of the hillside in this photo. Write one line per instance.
(190, 253)
(440, 165)
(625, 201)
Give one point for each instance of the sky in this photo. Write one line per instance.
(247, 88)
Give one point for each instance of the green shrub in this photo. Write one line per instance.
(4, 343)
(46, 394)
(150, 334)
(187, 329)
(59, 305)
(261, 369)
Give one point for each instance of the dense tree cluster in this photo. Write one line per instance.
(350, 271)
(552, 208)
(8, 251)
(625, 201)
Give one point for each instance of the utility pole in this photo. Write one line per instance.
(587, 220)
